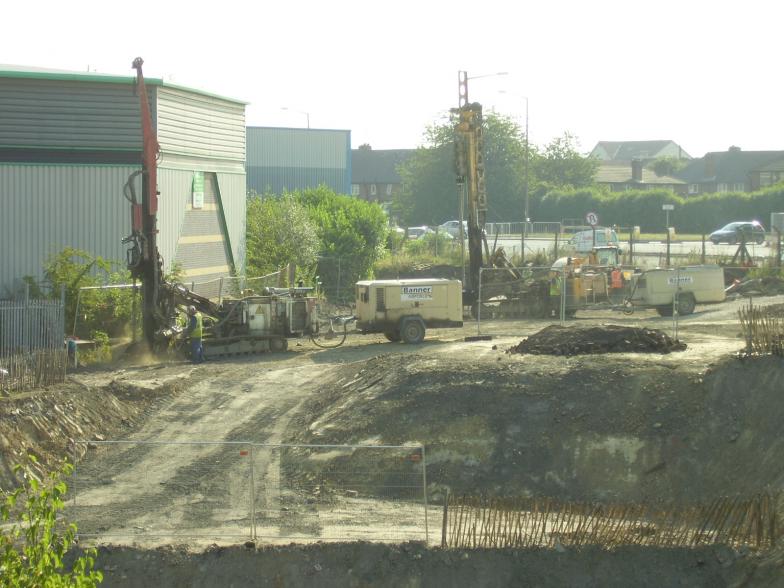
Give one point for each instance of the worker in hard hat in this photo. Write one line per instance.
(194, 330)
(616, 285)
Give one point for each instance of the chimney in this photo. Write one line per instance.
(710, 166)
(637, 170)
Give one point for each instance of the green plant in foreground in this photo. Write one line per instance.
(32, 548)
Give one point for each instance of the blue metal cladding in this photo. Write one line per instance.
(285, 160)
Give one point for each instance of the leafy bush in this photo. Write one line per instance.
(694, 214)
(352, 235)
(106, 310)
(279, 231)
(33, 547)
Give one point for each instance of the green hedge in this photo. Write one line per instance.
(695, 214)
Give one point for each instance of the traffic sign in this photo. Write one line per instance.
(592, 219)
(668, 207)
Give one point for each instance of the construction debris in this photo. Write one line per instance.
(767, 286)
(574, 340)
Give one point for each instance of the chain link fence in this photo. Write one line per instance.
(272, 493)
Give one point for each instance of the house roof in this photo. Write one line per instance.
(377, 166)
(731, 166)
(775, 165)
(621, 173)
(628, 150)
(43, 73)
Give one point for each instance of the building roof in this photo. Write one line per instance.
(42, 73)
(377, 166)
(610, 172)
(731, 166)
(775, 165)
(628, 150)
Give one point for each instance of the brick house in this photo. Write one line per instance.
(374, 173)
(643, 150)
(621, 176)
(733, 170)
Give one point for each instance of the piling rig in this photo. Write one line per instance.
(251, 323)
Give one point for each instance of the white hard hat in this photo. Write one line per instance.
(191, 310)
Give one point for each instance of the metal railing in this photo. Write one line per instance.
(32, 351)
(267, 492)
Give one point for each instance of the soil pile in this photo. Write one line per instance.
(626, 428)
(575, 340)
(45, 422)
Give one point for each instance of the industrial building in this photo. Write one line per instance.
(70, 140)
(286, 160)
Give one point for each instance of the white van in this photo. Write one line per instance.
(583, 241)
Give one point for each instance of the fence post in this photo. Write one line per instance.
(252, 498)
(668, 247)
(479, 305)
(220, 290)
(26, 320)
(555, 251)
(563, 295)
(444, 519)
(424, 493)
(702, 257)
(337, 287)
(62, 328)
(134, 294)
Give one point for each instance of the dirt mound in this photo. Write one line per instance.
(645, 428)
(45, 422)
(575, 340)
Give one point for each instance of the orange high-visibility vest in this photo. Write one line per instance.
(616, 279)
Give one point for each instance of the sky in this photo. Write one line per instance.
(704, 74)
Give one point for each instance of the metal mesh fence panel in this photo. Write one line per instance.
(519, 301)
(274, 493)
(340, 493)
(159, 489)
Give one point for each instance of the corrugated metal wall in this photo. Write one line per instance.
(201, 126)
(232, 191)
(281, 160)
(64, 114)
(46, 208)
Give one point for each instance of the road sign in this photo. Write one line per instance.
(592, 219)
(668, 207)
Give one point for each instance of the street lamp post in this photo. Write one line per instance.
(307, 114)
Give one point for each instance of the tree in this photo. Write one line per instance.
(279, 231)
(352, 234)
(429, 192)
(561, 165)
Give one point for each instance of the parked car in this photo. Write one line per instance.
(733, 233)
(583, 241)
(419, 232)
(453, 228)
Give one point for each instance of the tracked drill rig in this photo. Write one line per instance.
(470, 175)
(252, 323)
(143, 259)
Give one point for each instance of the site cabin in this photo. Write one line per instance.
(403, 309)
(656, 288)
